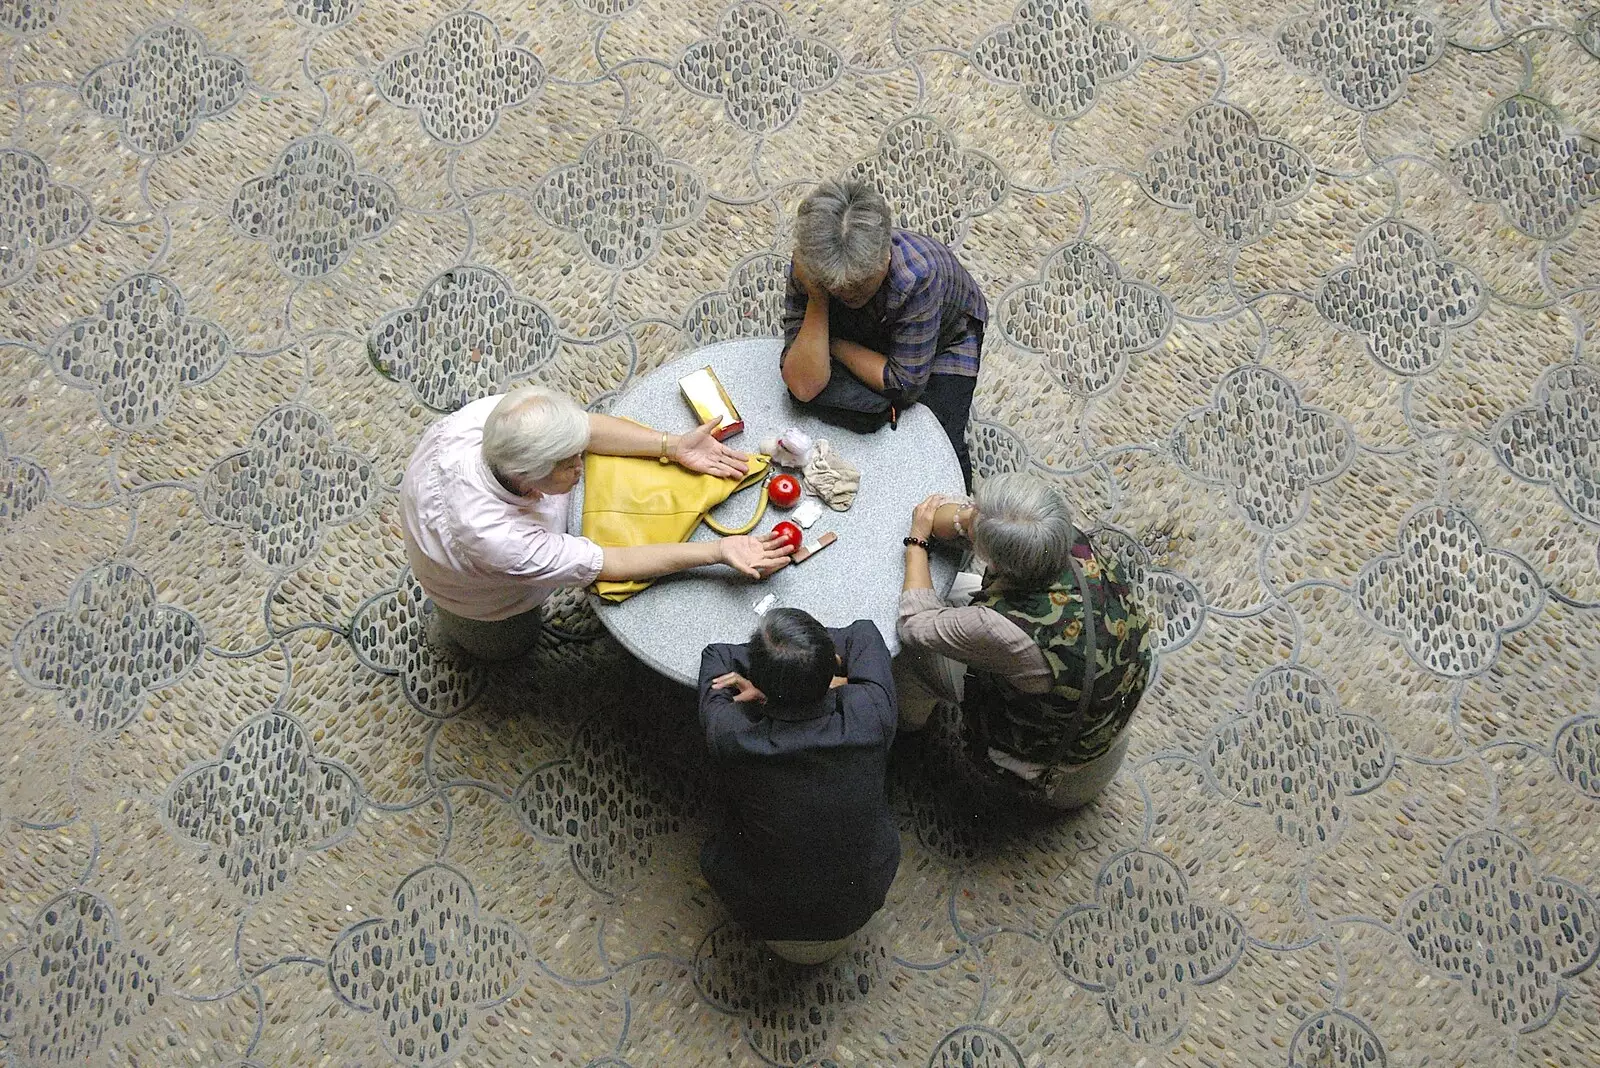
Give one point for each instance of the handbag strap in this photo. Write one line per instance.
(761, 509)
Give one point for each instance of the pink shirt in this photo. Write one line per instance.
(479, 550)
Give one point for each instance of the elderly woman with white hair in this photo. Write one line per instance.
(1046, 662)
(484, 509)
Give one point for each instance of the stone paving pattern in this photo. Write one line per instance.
(1291, 299)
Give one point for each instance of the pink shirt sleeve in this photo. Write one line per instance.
(537, 556)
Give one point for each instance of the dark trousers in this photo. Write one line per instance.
(949, 398)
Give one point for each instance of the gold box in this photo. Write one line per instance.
(704, 392)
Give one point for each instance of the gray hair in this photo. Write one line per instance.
(842, 233)
(531, 430)
(1023, 528)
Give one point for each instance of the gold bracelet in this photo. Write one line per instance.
(662, 456)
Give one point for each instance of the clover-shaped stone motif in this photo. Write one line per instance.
(1257, 439)
(1556, 440)
(1143, 943)
(390, 635)
(619, 196)
(24, 18)
(23, 486)
(1058, 54)
(1510, 933)
(160, 92)
(1402, 297)
(112, 644)
(1233, 180)
(1449, 597)
(791, 1014)
(322, 14)
(758, 68)
(1364, 52)
(466, 338)
(290, 481)
(138, 350)
(609, 801)
(995, 449)
(461, 78)
(750, 306)
(72, 983)
(313, 209)
(430, 967)
(933, 186)
(265, 801)
(1541, 176)
(1577, 755)
(1336, 1040)
(976, 1046)
(36, 214)
(1172, 602)
(1294, 754)
(1589, 34)
(1084, 319)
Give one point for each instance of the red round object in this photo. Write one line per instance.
(784, 491)
(789, 533)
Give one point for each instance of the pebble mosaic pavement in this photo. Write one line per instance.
(1291, 298)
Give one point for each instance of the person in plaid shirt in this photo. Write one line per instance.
(876, 319)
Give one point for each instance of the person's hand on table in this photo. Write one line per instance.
(922, 515)
(699, 451)
(744, 690)
(754, 556)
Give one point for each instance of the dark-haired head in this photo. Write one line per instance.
(792, 657)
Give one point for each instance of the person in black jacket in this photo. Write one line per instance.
(799, 722)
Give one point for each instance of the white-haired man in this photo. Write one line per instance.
(485, 503)
(876, 319)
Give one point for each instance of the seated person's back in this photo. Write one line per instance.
(807, 848)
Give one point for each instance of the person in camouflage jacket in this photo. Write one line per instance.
(1040, 673)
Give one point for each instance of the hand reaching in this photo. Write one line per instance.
(699, 451)
(744, 690)
(753, 556)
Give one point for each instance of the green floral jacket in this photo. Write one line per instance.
(1048, 728)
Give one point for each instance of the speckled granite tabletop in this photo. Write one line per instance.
(858, 577)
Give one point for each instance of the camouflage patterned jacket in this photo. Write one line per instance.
(1054, 727)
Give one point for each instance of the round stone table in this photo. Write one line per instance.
(858, 577)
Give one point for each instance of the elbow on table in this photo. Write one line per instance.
(801, 385)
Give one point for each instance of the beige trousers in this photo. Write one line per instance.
(810, 952)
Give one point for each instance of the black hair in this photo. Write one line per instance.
(792, 657)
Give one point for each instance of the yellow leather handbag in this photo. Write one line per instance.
(634, 500)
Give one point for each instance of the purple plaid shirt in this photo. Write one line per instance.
(927, 317)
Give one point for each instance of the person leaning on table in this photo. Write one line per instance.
(798, 722)
(485, 502)
(1014, 659)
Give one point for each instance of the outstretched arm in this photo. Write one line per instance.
(745, 553)
(696, 450)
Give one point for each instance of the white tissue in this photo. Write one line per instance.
(807, 512)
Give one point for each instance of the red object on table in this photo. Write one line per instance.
(790, 533)
(784, 491)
